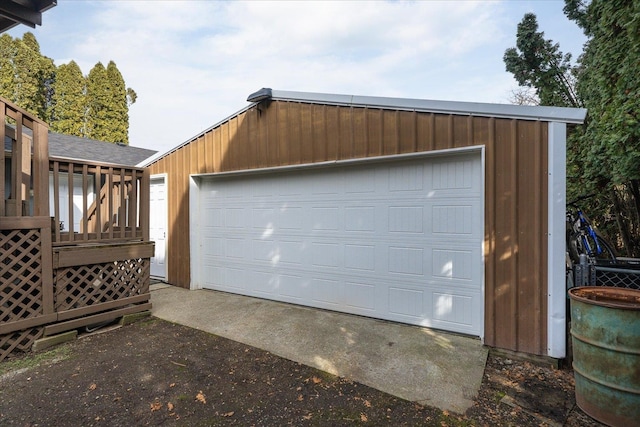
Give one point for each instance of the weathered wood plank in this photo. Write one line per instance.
(13, 223)
(92, 320)
(18, 325)
(68, 256)
(97, 308)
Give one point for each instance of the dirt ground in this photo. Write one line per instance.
(157, 373)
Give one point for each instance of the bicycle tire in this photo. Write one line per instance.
(608, 252)
(575, 247)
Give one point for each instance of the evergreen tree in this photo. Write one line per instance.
(98, 103)
(7, 68)
(118, 111)
(538, 63)
(68, 108)
(33, 76)
(94, 107)
(603, 156)
(609, 84)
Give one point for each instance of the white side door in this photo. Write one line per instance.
(158, 224)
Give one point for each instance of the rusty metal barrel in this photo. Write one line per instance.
(605, 335)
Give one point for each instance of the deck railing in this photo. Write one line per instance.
(98, 203)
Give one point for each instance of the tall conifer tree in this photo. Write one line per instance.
(7, 67)
(118, 110)
(98, 103)
(34, 74)
(68, 106)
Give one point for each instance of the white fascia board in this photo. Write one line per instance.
(345, 162)
(195, 249)
(523, 112)
(556, 273)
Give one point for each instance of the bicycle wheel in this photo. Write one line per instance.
(608, 252)
(575, 247)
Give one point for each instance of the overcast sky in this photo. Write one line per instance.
(193, 63)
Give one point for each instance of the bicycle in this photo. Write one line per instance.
(583, 238)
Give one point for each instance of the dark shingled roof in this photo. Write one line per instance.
(74, 147)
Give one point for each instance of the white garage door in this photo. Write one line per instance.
(399, 240)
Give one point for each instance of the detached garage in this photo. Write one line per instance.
(441, 214)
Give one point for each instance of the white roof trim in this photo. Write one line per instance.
(523, 112)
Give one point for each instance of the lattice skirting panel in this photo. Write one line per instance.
(19, 341)
(20, 275)
(87, 285)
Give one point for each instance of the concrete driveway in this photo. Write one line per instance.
(417, 364)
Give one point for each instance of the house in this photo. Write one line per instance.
(449, 215)
(95, 268)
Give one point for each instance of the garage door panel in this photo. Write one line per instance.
(399, 241)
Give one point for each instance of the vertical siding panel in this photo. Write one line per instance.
(515, 245)
(239, 143)
(345, 149)
(244, 129)
(235, 151)
(272, 134)
(202, 161)
(461, 132)
(207, 155)
(193, 155)
(528, 210)
(390, 132)
(218, 151)
(306, 133)
(228, 160)
(505, 250)
(262, 138)
(441, 137)
(450, 131)
(283, 134)
(333, 132)
(293, 140)
(360, 131)
(319, 130)
(407, 131)
(375, 130)
(490, 293)
(250, 129)
(424, 134)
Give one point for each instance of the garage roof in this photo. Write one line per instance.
(27, 12)
(523, 112)
(520, 112)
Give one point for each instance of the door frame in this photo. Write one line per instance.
(164, 177)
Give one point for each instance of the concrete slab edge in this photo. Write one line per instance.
(532, 358)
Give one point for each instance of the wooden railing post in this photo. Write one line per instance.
(40, 171)
(145, 203)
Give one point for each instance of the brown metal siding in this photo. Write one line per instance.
(285, 133)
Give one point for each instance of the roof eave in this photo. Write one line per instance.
(522, 112)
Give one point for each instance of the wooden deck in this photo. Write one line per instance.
(56, 277)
